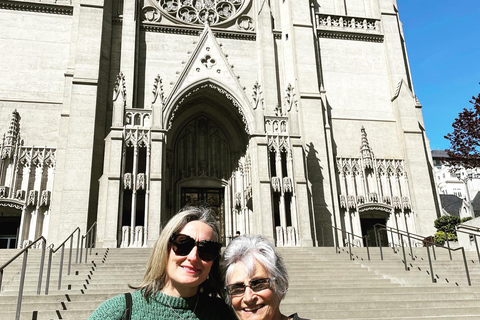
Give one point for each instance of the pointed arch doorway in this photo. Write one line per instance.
(205, 144)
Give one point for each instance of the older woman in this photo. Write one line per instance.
(182, 275)
(256, 279)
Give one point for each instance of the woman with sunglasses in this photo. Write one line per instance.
(182, 276)
(256, 279)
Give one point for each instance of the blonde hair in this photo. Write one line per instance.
(155, 273)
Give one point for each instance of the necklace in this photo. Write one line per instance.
(193, 312)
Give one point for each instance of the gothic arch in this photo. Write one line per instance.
(209, 89)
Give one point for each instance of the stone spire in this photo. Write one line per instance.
(12, 136)
(367, 154)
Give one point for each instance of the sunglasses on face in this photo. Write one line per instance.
(182, 245)
(255, 285)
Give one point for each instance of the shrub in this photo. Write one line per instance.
(447, 224)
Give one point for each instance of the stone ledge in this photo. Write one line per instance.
(53, 7)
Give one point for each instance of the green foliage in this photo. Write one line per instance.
(447, 224)
(466, 219)
(440, 237)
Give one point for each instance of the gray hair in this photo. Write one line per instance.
(248, 249)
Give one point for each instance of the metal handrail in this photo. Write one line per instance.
(50, 257)
(428, 253)
(89, 241)
(350, 242)
(475, 235)
(22, 274)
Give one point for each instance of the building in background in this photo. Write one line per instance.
(459, 188)
(122, 112)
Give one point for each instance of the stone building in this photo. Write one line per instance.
(121, 112)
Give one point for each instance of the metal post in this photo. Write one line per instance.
(70, 255)
(22, 282)
(40, 273)
(49, 268)
(448, 246)
(476, 246)
(431, 266)
(81, 250)
(61, 269)
(349, 245)
(466, 267)
(404, 256)
(380, 242)
(78, 245)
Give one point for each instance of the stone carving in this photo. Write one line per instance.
(3, 192)
(290, 100)
(287, 184)
(208, 61)
(343, 202)
(127, 181)
(141, 181)
(158, 90)
(238, 199)
(120, 88)
(396, 202)
(248, 192)
(373, 197)
(245, 23)
(20, 195)
(32, 198)
(257, 96)
(198, 12)
(360, 199)
(406, 203)
(45, 198)
(276, 184)
(151, 14)
(351, 202)
(279, 232)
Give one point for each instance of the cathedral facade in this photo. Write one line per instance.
(295, 119)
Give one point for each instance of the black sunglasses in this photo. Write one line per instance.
(182, 245)
(255, 285)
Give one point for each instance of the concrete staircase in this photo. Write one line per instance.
(323, 285)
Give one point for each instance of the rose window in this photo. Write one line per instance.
(201, 11)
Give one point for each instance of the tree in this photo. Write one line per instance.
(465, 138)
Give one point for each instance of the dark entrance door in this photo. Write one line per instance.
(368, 229)
(213, 198)
(8, 231)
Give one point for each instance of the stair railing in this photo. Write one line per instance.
(351, 237)
(472, 231)
(429, 244)
(24, 252)
(50, 257)
(88, 241)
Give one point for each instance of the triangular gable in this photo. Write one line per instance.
(208, 63)
(402, 88)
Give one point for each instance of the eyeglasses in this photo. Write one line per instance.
(182, 245)
(255, 285)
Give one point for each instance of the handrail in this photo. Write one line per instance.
(89, 241)
(428, 254)
(350, 242)
(22, 274)
(50, 257)
(475, 235)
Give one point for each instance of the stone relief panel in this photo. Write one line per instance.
(199, 12)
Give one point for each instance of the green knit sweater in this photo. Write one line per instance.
(162, 306)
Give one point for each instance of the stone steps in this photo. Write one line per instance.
(324, 285)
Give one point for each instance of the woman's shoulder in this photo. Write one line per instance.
(111, 309)
(296, 317)
(220, 309)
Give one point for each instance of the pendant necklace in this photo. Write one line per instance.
(193, 312)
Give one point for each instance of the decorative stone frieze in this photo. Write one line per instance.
(348, 28)
(287, 184)
(20, 195)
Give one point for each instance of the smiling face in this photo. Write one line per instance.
(185, 273)
(261, 305)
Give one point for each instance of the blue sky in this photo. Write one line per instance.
(443, 45)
